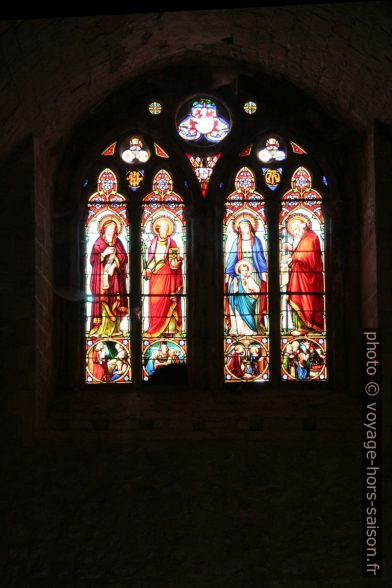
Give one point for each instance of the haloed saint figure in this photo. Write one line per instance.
(163, 271)
(305, 277)
(108, 261)
(245, 271)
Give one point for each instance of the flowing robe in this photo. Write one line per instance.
(95, 367)
(254, 364)
(244, 307)
(306, 284)
(164, 301)
(110, 303)
(250, 250)
(234, 365)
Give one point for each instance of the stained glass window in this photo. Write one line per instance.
(297, 149)
(203, 122)
(203, 166)
(302, 281)
(250, 107)
(107, 328)
(271, 151)
(110, 150)
(136, 151)
(273, 298)
(155, 108)
(163, 267)
(245, 244)
(159, 152)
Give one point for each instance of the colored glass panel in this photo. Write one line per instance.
(155, 108)
(204, 122)
(163, 260)
(245, 246)
(107, 327)
(250, 107)
(303, 358)
(272, 177)
(245, 152)
(159, 152)
(271, 151)
(109, 150)
(302, 281)
(297, 149)
(135, 179)
(203, 166)
(136, 152)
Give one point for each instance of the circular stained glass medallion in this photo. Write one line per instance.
(155, 107)
(250, 107)
(203, 121)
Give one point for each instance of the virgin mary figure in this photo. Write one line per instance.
(247, 246)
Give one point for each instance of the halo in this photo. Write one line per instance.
(245, 216)
(158, 220)
(297, 216)
(243, 262)
(111, 218)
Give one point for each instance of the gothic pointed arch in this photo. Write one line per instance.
(190, 166)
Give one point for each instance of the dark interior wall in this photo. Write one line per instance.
(44, 262)
(57, 73)
(383, 187)
(54, 71)
(369, 286)
(26, 287)
(17, 291)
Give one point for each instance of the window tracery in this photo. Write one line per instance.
(268, 176)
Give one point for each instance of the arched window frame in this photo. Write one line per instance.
(298, 153)
(136, 202)
(162, 131)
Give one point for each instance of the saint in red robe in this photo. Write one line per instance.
(234, 365)
(165, 276)
(110, 303)
(306, 282)
(96, 368)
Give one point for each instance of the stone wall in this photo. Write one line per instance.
(54, 71)
(62, 78)
(17, 292)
